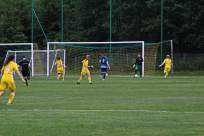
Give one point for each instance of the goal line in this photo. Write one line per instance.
(145, 111)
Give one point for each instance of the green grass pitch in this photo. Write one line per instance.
(118, 106)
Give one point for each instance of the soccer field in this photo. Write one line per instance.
(118, 106)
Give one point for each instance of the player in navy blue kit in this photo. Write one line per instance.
(25, 68)
(104, 66)
(138, 64)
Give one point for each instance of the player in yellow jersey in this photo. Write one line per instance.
(60, 68)
(85, 69)
(167, 67)
(7, 80)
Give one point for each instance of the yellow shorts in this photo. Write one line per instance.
(85, 72)
(7, 85)
(60, 71)
(167, 69)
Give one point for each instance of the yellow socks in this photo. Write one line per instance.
(80, 79)
(166, 74)
(58, 77)
(11, 97)
(89, 79)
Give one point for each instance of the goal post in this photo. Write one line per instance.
(99, 45)
(55, 53)
(172, 58)
(20, 44)
(167, 48)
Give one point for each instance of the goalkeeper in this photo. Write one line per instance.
(138, 64)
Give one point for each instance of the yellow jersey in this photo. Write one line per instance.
(8, 71)
(85, 64)
(59, 64)
(167, 62)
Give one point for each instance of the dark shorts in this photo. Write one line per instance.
(25, 73)
(139, 67)
(104, 69)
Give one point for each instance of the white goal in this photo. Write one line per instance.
(39, 59)
(5, 47)
(121, 55)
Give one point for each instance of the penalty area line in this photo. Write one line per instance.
(147, 111)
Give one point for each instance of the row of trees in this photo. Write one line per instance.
(88, 20)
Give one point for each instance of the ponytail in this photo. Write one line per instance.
(10, 58)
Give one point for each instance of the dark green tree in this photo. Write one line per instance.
(182, 23)
(12, 29)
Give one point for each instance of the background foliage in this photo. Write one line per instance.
(88, 20)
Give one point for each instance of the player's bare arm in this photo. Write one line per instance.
(161, 64)
(64, 66)
(19, 74)
(108, 65)
(2, 72)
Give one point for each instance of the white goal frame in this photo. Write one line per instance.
(99, 43)
(15, 52)
(22, 44)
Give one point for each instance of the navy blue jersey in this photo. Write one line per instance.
(24, 64)
(139, 61)
(104, 62)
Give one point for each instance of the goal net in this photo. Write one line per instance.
(121, 56)
(39, 59)
(6, 47)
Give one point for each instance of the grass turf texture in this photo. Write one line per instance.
(118, 106)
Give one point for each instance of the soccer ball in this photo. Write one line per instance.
(106, 74)
(136, 75)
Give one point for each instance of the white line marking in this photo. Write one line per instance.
(150, 111)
